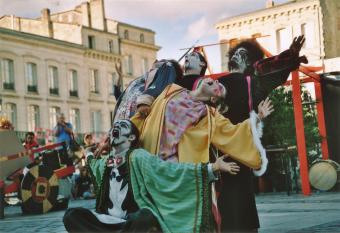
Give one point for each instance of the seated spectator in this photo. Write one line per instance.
(29, 144)
(83, 185)
(30, 141)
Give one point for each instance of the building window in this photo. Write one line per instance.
(31, 77)
(96, 121)
(33, 117)
(141, 38)
(129, 64)
(7, 73)
(112, 77)
(283, 39)
(307, 29)
(145, 65)
(92, 42)
(11, 113)
(75, 119)
(94, 81)
(126, 34)
(53, 116)
(53, 80)
(111, 46)
(73, 83)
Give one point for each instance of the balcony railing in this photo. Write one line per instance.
(74, 93)
(32, 88)
(94, 91)
(8, 86)
(54, 91)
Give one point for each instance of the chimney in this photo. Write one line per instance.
(97, 14)
(270, 3)
(46, 22)
(85, 14)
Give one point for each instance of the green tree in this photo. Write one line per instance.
(279, 131)
(279, 127)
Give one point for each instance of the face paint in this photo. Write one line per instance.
(240, 60)
(210, 88)
(193, 63)
(120, 132)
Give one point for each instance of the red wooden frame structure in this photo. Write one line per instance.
(310, 76)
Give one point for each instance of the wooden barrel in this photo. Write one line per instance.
(323, 174)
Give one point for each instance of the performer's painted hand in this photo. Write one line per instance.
(144, 110)
(222, 166)
(297, 43)
(265, 108)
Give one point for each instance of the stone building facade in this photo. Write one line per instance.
(67, 62)
(277, 25)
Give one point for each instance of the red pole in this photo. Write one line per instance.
(321, 120)
(300, 133)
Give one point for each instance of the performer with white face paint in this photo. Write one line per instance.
(153, 201)
(141, 93)
(250, 81)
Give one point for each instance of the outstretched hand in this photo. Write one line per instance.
(265, 108)
(222, 166)
(297, 44)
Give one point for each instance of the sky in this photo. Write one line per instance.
(177, 23)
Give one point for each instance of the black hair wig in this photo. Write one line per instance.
(255, 52)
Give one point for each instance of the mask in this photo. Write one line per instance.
(120, 132)
(240, 60)
(193, 64)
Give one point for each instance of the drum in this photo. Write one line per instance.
(323, 174)
(39, 190)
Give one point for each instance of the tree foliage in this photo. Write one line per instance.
(279, 127)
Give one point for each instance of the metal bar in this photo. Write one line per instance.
(300, 134)
(13, 187)
(62, 172)
(47, 147)
(29, 152)
(321, 120)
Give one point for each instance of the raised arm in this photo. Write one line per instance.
(274, 71)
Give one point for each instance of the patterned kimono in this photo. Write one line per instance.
(195, 134)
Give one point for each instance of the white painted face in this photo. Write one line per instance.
(212, 88)
(240, 60)
(193, 64)
(120, 132)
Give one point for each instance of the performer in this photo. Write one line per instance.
(141, 193)
(195, 66)
(251, 80)
(181, 127)
(141, 93)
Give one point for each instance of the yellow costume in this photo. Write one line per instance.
(240, 141)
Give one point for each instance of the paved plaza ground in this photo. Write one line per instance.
(319, 212)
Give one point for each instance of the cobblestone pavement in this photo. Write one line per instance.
(319, 212)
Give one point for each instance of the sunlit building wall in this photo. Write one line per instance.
(67, 62)
(275, 26)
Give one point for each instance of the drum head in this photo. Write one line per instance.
(323, 175)
(39, 190)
